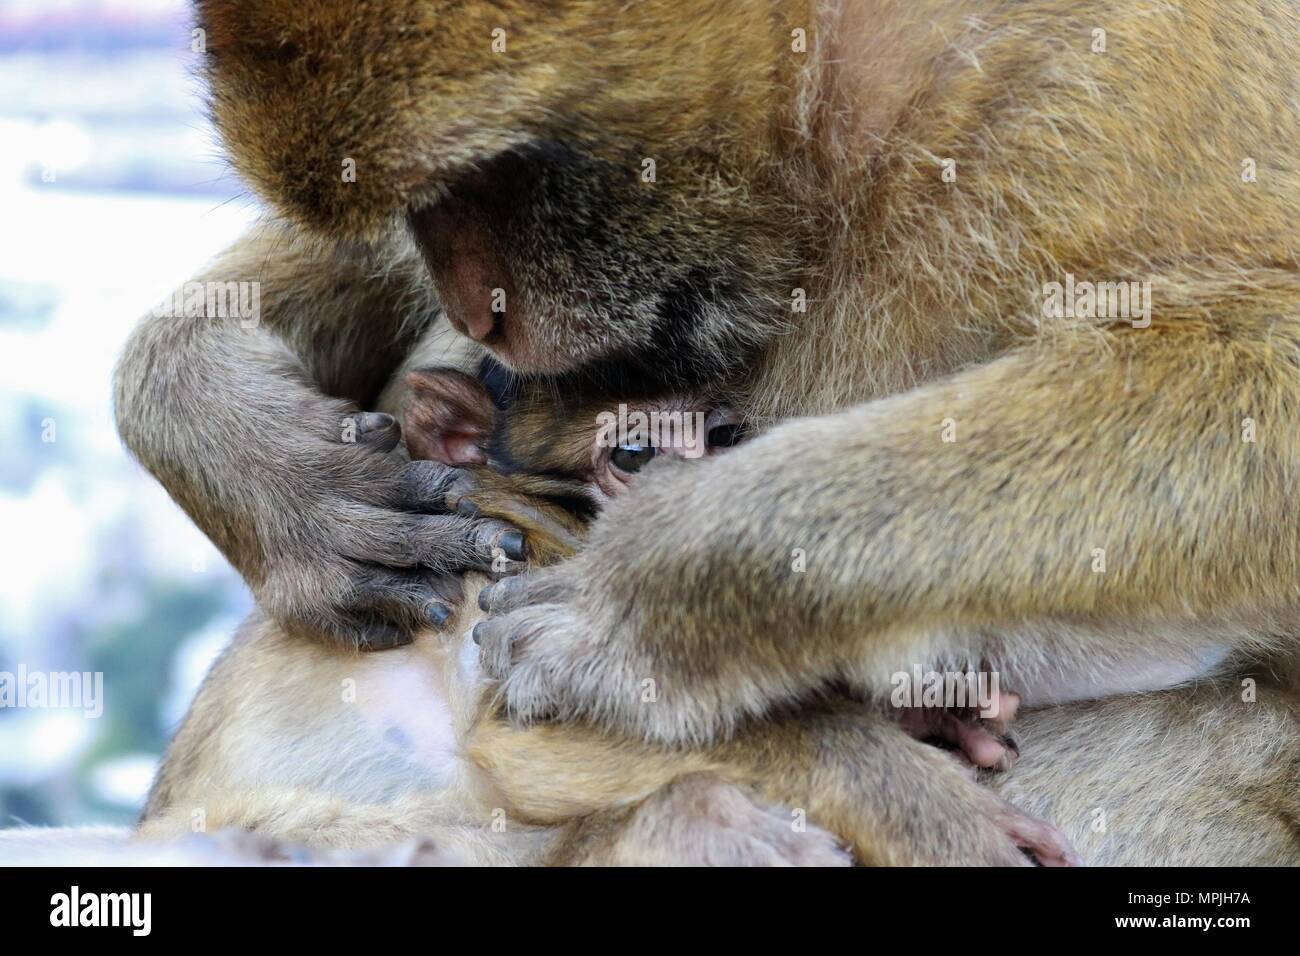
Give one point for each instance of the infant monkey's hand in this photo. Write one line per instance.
(364, 546)
(981, 739)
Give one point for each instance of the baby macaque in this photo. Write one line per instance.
(577, 450)
(310, 743)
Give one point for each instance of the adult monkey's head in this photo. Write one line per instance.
(588, 180)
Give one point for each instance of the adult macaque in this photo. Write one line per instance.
(851, 209)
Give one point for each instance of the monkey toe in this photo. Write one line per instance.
(976, 741)
(979, 742)
(1040, 841)
(1006, 706)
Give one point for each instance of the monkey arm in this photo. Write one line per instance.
(251, 424)
(1097, 479)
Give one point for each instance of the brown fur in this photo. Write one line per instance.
(822, 170)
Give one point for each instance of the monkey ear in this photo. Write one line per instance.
(448, 417)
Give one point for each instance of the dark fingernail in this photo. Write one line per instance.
(476, 635)
(1010, 743)
(485, 599)
(514, 546)
(467, 508)
(373, 422)
(438, 614)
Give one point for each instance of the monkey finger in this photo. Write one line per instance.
(377, 430)
(511, 541)
(522, 511)
(443, 543)
(508, 594)
(500, 641)
(495, 598)
(404, 601)
(496, 648)
(524, 649)
(452, 543)
(447, 588)
(456, 495)
(506, 547)
(423, 485)
(379, 635)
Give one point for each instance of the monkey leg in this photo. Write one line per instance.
(1112, 508)
(843, 769)
(1195, 776)
(894, 800)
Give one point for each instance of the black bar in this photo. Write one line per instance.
(440, 905)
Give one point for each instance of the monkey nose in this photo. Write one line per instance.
(477, 323)
(468, 308)
(472, 278)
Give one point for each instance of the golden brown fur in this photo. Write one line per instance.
(822, 170)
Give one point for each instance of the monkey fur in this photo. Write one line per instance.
(921, 171)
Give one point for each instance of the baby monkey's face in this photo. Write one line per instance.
(546, 429)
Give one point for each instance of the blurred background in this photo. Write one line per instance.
(111, 194)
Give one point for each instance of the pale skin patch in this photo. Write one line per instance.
(405, 704)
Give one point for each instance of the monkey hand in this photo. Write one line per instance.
(635, 632)
(368, 552)
(981, 741)
(715, 591)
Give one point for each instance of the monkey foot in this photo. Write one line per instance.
(981, 741)
(1042, 842)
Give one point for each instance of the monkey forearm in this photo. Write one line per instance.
(893, 800)
(1094, 482)
(334, 529)
(1145, 479)
(205, 408)
(841, 767)
(211, 404)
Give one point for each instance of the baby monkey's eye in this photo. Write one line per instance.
(632, 458)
